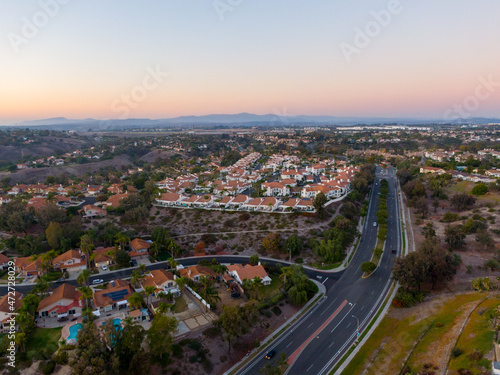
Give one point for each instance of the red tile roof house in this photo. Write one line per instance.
(195, 272)
(101, 259)
(139, 249)
(114, 296)
(27, 266)
(64, 301)
(71, 260)
(163, 281)
(114, 200)
(4, 261)
(262, 204)
(93, 190)
(90, 211)
(248, 272)
(170, 199)
(6, 309)
(275, 189)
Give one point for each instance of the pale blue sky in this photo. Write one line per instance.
(263, 57)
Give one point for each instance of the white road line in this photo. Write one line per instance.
(348, 325)
(310, 325)
(329, 346)
(380, 279)
(310, 367)
(334, 328)
(362, 308)
(324, 281)
(373, 292)
(289, 344)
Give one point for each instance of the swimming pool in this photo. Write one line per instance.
(73, 331)
(116, 322)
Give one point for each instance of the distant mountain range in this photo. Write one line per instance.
(240, 119)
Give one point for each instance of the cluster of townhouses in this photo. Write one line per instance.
(289, 186)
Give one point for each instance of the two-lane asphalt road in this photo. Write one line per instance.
(318, 340)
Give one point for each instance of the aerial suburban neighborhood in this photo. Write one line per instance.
(233, 187)
(212, 248)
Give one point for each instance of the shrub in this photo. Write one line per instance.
(276, 310)
(223, 358)
(479, 189)
(177, 351)
(195, 345)
(368, 267)
(211, 332)
(475, 356)
(61, 357)
(193, 358)
(450, 217)
(49, 368)
(456, 352)
(299, 260)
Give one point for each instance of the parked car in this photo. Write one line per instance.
(374, 223)
(270, 354)
(104, 267)
(97, 281)
(394, 251)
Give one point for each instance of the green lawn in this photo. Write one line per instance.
(270, 290)
(43, 340)
(180, 305)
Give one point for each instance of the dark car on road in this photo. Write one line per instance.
(270, 354)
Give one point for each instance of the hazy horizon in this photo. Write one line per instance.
(163, 60)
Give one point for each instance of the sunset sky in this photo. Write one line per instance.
(85, 58)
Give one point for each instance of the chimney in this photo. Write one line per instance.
(259, 263)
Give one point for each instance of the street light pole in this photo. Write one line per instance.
(357, 329)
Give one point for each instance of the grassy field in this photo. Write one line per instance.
(325, 267)
(466, 187)
(44, 341)
(477, 336)
(422, 336)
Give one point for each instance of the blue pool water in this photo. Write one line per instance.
(116, 322)
(73, 331)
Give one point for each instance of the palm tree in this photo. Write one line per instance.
(150, 289)
(205, 282)
(86, 247)
(142, 268)
(135, 300)
(256, 285)
(181, 282)
(83, 277)
(136, 278)
(122, 239)
(47, 259)
(172, 263)
(211, 296)
(220, 269)
(86, 295)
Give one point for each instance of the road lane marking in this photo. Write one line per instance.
(310, 325)
(296, 353)
(348, 325)
(324, 281)
(310, 367)
(373, 291)
(289, 344)
(329, 346)
(334, 328)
